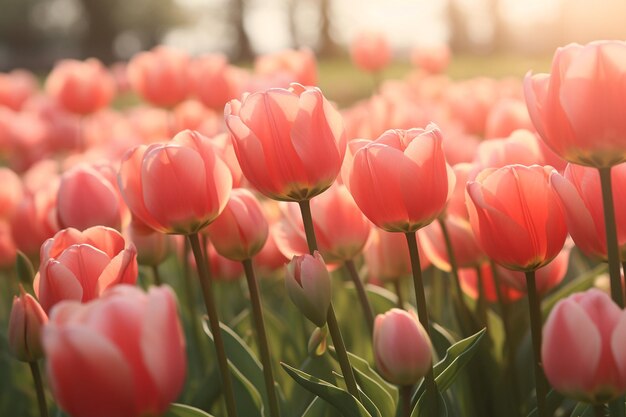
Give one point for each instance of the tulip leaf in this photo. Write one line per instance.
(317, 408)
(553, 401)
(587, 410)
(382, 300)
(24, 268)
(365, 400)
(579, 284)
(343, 401)
(426, 408)
(182, 410)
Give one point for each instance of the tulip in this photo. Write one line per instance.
(370, 51)
(25, 324)
(588, 330)
(580, 193)
(299, 66)
(177, 187)
(103, 207)
(516, 216)
(289, 143)
(505, 117)
(215, 81)
(240, 232)
(270, 258)
(11, 193)
(80, 266)
(387, 256)
(82, 87)
(402, 348)
(578, 108)
(385, 173)
(432, 59)
(8, 250)
(308, 286)
(127, 349)
(160, 76)
(520, 147)
(16, 87)
(340, 227)
(470, 285)
(152, 247)
(35, 220)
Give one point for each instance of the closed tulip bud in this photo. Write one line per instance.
(370, 51)
(402, 348)
(82, 265)
(584, 340)
(308, 286)
(516, 216)
(241, 230)
(152, 246)
(121, 355)
(25, 323)
(290, 143)
(387, 256)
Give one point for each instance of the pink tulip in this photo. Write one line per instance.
(177, 187)
(308, 286)
(104, 206)
(521, 147)
(468, 278)
(516, 216)
(370, 51)
(581, 195)
(122, 355)
(35, 219)
(11, 192)
(8, 250)
(432, 59)
(270, 258)
(385, 173)
(152, 247)
(402, 348)
(25, 324)
(299, 66)
(289, 143)
(82, 265)
(584, 340)
(578, 108)
(16, 87)
(387, 256)
(240, 232)
(160, 76)
(505, 117)
(193, 115)
(340, 227)
(82, 87)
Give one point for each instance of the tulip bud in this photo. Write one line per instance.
(308, 285)
(27, 319)
(317, 342)
(402, 349)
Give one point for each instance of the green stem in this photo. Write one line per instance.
(362, 294)
(481, 302)
(191, 305)
(422, 310)
(333, 326)
(611, 236)
(156, 275)
(598, 410)
(541, 385)
(397, 286)
(405, 400)
(209, 301)
(41, 395)
(257, 314)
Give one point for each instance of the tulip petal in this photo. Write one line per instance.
(58, 283)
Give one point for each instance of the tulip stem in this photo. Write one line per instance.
(362, 294)
(156, 275)
(191, 305)
(333, 326)
(422, 310)
(209, 301)
(454, 269)
(541, 385)
(611, 236)
(405, 400)
(41, 395)
(257, 315)
(397, 286)
(481, 305)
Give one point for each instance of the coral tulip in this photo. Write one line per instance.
(387, 256)
(432, 59)
(370, 51)
(290, 143)
(401, 180)
(80, 266)
(152, 246)
(298, 65)
(516, 216)
(11, 192)
(215, 82)
(578, 109)
(25, 324)
(470, 285)
(402, 348)
(121, 355)
(16, 87)
(176, 187)
(588, 330)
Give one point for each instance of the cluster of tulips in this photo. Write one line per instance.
(487, 193)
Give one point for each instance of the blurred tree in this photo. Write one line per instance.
(327, 46)
(237, 19)
(459, 37)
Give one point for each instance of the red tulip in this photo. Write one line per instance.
(589, 331)
(516, 216)
(402, 348)
(240, 232)
(122, 355)
(176, 187)
(401, 180)
(370, 51)
(82, 87)
(578, 109)
(25, 323)
(289, 143)
(81, 265)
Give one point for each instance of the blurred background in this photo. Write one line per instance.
(36, 33)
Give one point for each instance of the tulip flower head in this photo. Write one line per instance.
(25, 323)
(308, 286)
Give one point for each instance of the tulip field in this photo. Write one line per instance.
(181, 236)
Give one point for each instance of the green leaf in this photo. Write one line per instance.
(581, 283)
(24, 268)
(249, 401)
(382, 299)
(587, 410)
(365, 400)
(553, 401)
(317, 408)
(182, 410)
(340, 399)
(426, 408)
